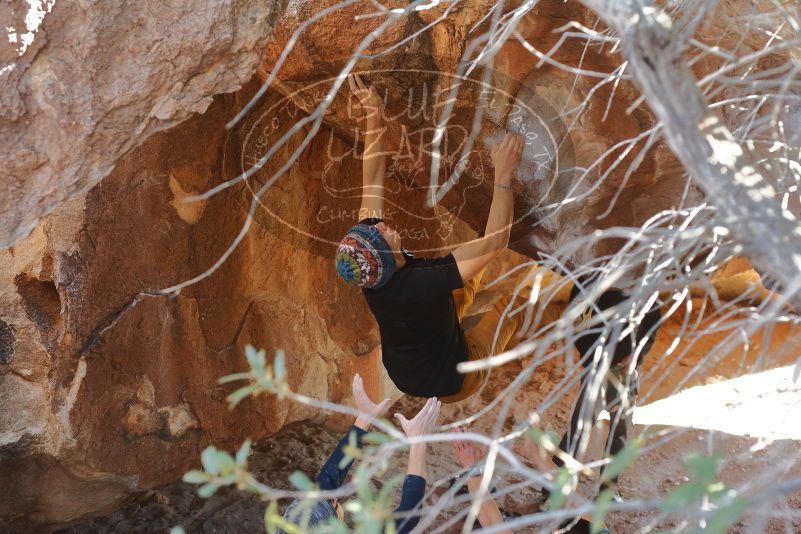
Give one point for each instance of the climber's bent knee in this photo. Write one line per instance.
(472, 381)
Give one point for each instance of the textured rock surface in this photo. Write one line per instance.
(581, 124)
(83, 83)
(522, 97)
(305, 446)
(113, 386)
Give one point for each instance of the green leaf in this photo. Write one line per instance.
(371, 525)
(207, 490)
(726, 516)
(685, 494)
(209, 460)
(240, 394)
(705, 468)
(279, 366)
(622, 460)
(256, 359)
(602, 504)
(195, 477)
(388, 486)
(233, 378)
(346, 458)
(224, 460)
(334, 526)
(548, 439)
(273, 521)
(377, 438)
(243, 453)
(561, 489)
(364, 489)
(716, 490)
(300, 480)
(351, 451)
(354, 506)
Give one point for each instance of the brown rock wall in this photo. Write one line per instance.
(576, 127)
(83, 83)
(115, 383)
(108, 387)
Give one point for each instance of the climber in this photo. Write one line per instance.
(419, 303)
(470, 455)
(332, 475)
(610, 368)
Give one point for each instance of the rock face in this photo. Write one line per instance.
(107, 376)
(108, 386)
(579, 154)
(81, 84)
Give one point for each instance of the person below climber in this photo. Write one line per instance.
(333, 475)
(471, 456)
(412, 299)
(611, 349)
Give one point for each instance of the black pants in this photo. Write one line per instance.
(618, 395)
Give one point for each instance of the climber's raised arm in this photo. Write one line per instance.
(374, 164)
(475, 255)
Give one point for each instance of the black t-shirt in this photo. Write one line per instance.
(421, 340)
(585, 340)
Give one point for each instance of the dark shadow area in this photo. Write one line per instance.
(42, 306)
(6, 342)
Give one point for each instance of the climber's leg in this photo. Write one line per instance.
(480, 338)
(472, 381)
(500, 325)
(497, 328)
(464, 297)
(582, 417)
(621, 396)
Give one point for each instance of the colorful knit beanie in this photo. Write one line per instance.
(364, 257)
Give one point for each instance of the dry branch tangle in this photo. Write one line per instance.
(97, 384)
(746, 201)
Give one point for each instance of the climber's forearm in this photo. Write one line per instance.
(417, 460)
(375, 150)
(472, 257)
(373, 167)
(499, 222)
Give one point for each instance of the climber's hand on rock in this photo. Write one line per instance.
(423, 423)
(368, 97)
(506, 157)
(368, 410)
